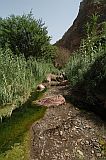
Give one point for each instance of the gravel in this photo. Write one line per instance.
(67, 133)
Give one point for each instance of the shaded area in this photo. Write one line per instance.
(90, 93)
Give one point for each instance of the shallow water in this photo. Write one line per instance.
(14, 131)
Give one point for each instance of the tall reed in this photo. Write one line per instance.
(18, 77)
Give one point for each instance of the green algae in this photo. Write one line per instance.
(14, 131)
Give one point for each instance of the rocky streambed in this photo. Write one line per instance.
(67, 133)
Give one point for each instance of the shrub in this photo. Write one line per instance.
(86, 69)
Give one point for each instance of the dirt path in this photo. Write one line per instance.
(66, 133)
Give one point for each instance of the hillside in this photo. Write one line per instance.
(72, 38)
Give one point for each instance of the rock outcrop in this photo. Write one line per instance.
(72, 38)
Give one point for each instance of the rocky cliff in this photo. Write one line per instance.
(72, 38)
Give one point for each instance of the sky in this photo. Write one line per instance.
(58, 15)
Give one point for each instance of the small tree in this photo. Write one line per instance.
(23, 34)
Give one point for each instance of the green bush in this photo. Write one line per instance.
(81, 62)
(25, 35)
(86, 69)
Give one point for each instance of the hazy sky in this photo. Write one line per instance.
(58, 15)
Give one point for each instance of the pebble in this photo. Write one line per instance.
(80, 153)
(96, 145)
(98, 154)
(82, 143)
(64, 139)
(61, 133)
(76, 127)
(104, 137)
(79, 140)
(87, 142)
(93, 152)
(87, 126)
(41, 137)
(67, 154)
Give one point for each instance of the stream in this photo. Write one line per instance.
(14, 130)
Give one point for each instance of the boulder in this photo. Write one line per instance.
(55, 78)
(51, 101)
(40, 87)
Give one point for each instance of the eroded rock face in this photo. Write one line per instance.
(72, 38)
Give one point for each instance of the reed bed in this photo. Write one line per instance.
(18, 77)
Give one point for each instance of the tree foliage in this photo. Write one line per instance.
(26, 35)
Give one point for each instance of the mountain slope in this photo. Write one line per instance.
(72, 38)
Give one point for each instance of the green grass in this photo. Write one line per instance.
(14, 130)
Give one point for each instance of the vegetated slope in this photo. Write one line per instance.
(72, 38)
(86, 69)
